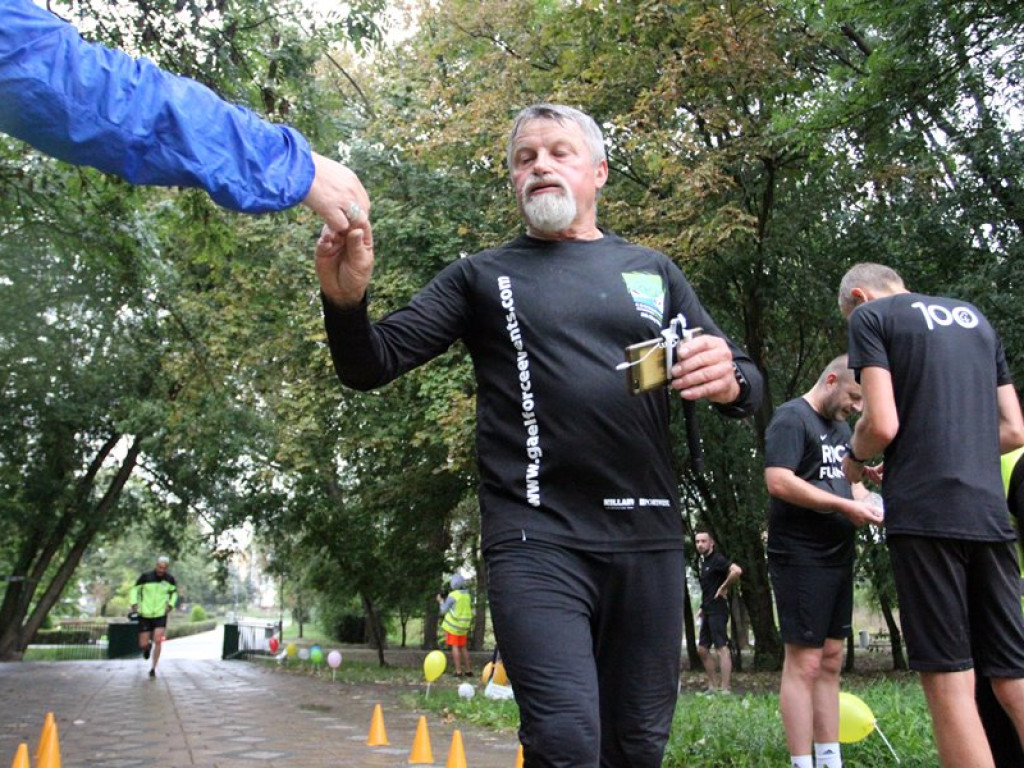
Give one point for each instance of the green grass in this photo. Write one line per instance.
(718, 732)
(741, 731)
(747, 731)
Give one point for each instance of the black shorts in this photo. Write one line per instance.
(814, 602)
(151, 623)
(959, 604)
(714, 630)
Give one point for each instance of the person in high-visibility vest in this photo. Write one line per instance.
(153, 597)
(457, 618)
(1002, 737)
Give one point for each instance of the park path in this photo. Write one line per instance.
(201, 711)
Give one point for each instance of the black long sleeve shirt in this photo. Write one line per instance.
(566, 453)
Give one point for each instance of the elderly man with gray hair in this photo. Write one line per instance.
(582, 532)
(153, 596)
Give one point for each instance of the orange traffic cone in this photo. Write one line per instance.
(49, 748)
(421, 753)
(378, 736)
(47, 725)
(456, 754)
(519, 757)
(21, 757)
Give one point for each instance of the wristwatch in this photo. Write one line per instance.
(852, 456)
(741, 380)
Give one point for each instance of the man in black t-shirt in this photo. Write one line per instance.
(581, 527)
(938, 400)
(811, 531)
(717, 574)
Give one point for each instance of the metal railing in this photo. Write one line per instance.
(72, 639)
(247, 637)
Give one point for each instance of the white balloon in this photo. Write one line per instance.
(466, 691)
(304, 653)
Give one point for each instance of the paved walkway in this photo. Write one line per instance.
(201, 711)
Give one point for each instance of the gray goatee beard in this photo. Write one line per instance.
(551, 212)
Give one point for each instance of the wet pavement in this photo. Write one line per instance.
(201, 711)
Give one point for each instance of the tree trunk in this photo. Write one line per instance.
(895, 637)
(689, 629)
(739, 633)
(757, 596)
(373, 624)
(430, 620)
(480, 616)
(36, 556)
(850, 647)
(15, 636)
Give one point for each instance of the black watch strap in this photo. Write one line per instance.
(741, 380)
(852, 455)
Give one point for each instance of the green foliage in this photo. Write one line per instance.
(197, 613)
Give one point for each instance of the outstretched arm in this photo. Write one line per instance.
(784, 484)
(90, 105)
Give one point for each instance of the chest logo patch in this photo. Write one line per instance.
(648, 293)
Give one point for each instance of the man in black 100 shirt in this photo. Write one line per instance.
(939, 401)
(581, 529)
(811, 536)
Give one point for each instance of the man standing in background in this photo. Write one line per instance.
(811, 547)
(153, 597)
(717, 574)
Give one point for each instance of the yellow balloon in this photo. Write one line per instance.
(485, 677)
(856, 720)
(433, 665)
(291, 649)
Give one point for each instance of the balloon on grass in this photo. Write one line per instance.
(498, 672)
(856, 720)
(433, 666)
(291, 650)
(316, 655)
(334, 659)
(466, 691)
(274, 643)
(304, 654)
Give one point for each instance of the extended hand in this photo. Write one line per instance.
(860, 512)
(704, 369)
(337, 195)
(875, 473)
(344, 264)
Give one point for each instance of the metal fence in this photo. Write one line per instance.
(247, 637)
(72, 639)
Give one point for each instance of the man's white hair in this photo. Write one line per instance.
(560, 114)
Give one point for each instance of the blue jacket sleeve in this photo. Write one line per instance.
(91, 105)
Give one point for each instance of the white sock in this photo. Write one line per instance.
(828, 756)
(801, 761)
